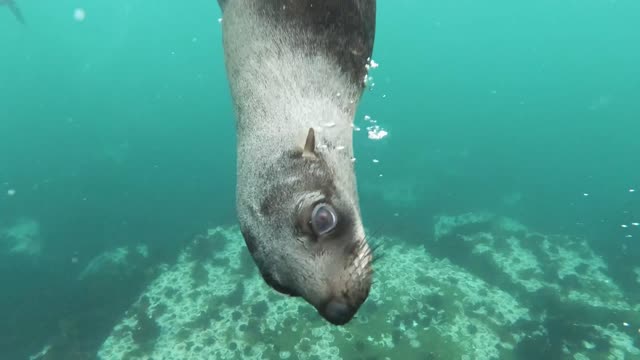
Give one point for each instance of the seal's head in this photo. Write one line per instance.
(307, 238)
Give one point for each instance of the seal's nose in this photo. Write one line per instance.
(338, 313)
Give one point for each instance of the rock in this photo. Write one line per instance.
(116, 263)
(22, 238)
(559, 278)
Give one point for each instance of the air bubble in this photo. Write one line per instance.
(376, 133)
(79, 14)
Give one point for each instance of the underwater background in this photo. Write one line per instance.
(497, 161)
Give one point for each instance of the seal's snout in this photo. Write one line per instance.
(338, 312)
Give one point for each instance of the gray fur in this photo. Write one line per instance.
(294, 65)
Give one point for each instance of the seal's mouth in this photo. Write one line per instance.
(338, 312)
(341, 307)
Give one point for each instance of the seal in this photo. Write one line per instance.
(296, 70)
(13, 7)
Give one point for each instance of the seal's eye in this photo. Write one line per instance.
(323, 219)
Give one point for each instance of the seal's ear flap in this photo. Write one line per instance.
(309, 151)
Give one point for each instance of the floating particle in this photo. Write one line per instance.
(585, 194)
(629, 236)
(79, 14)
(632, 190)
(219, 20)
(625, 324)
(339, 147)
(380, 175)
(635, 224)
(373, 64)
(624, 225)
(384, 96)
(338, 94)
(376, 160)
(195, 39)
(367, 117)
(11, 192)
(329, 125)
(353, 159)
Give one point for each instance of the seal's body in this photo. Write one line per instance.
(296, 69)
(14, 9)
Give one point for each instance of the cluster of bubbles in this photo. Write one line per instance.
(635, 224)
(374, 131)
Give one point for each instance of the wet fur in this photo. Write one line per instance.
(294, 65)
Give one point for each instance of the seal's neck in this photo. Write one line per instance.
(281, 81)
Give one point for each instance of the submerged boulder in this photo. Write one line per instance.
(22, 238)
(559, 278)
(116, 263)
(503, 293)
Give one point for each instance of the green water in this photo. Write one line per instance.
(119, 129)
